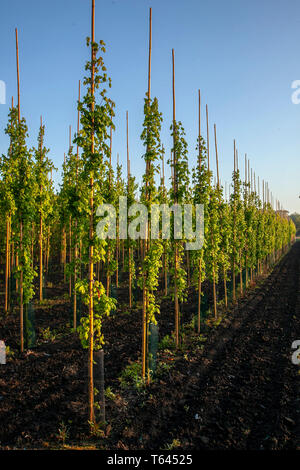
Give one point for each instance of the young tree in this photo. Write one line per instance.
(96, 120)
(42, 167)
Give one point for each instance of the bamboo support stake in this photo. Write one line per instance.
(224, 270)
(91, 235)
(70, 223)
(246, 251)
(108, 249)
(18, 75)
(128, 184)
(6, 264)
(70, 254)
(165, 253)
(217, 159)
(249, 176)
(21, 222)
(41, 231)
(118, 240)
(207, 139)
(7, 248)
(199, 128)
(234, 227)
(76, 225)
(200, 259)
(175, 198)
(246, 189)
(240, 253)
(145, 371)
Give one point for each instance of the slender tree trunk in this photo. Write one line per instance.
(177, 326)
(70, 255)
(75, 280)
(117, 257)
(199, 296)
(128, 185)
(108, 275)
(21, 292)
(41, 258)
(165, 272)
(32, 246)
(225, 287)
(130, 277)
(234, 233)
(214, 294)
(144, 332)
(7, 255)
(241, 275)
(188, 268)
(76, 226)
(48, 250)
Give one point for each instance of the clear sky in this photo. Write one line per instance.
(243, 55)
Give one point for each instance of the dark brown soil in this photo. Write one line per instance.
(241, 391)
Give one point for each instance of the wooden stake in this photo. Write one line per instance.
(175, 197)
(91, 236)
(21, 222)
(41, 230)
(217, 162)
(234, 228)
(128, 183)
(199, 128)
(18, 75)
(76, 224)
(207, 139)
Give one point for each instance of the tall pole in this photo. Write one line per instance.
(18, 74)
(175, 200)
(41, 227)
(245, 172)
(21, 221)
(207, 134)
(234, 223)
(147, 241)
(91, 232)
(199, 127)
(128, 185)
(76, 223)
(217, 159)
(200, 257)
(174, 125)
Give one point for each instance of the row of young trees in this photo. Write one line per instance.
(243, 234)
(27, 195)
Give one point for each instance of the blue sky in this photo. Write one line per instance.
(242, 55)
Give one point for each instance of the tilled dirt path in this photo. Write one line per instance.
(243, 391)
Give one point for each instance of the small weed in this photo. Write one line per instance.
(96, 429)
(63, 432)
(9, 352)
(47, 335)
(167, 343)
(132, 376)
(109, 394)
(174, 444)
